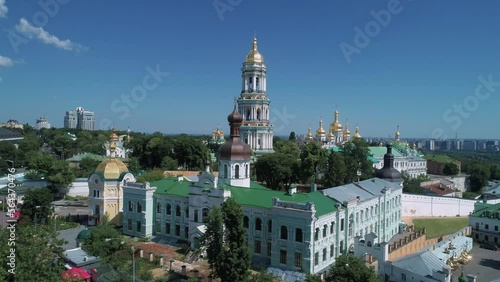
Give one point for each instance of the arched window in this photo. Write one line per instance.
(158, 207)
(325, 228)
(369, 243)
(258, 224)
(298, 235)
(257, 84)
(270, 226)
(284, 232)
(248, 114)
(226, 174)
(237, 171)
(204, 214)
(245, 221)
(169, 209)
(195, 215)
(177, 210)
(332, 227)
(258, 114)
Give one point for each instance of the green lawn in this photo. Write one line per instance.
(441, 226)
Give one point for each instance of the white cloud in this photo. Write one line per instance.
(3, 9)
(30, 31)
(5, 62)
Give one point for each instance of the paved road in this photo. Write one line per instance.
(69, 235)
(485, 264)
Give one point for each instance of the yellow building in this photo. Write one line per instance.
(106, 188)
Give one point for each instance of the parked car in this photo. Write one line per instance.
(489, 246)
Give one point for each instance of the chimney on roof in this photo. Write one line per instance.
(314, 187)
(180, 178)
(292, 190)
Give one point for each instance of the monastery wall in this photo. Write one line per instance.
(433, 206)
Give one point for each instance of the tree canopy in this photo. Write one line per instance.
(348, 268)
(226, 241)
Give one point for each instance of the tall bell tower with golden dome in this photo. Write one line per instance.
(253, 103)
(106, 187)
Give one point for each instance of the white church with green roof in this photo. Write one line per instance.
(287, 230)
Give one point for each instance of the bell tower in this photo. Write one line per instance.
(253, 103)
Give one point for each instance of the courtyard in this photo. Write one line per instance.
(485, 264)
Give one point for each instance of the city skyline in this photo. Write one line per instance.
(429, 69)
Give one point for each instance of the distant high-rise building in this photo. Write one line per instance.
(469, 145)
(42, 122)
(80, 119)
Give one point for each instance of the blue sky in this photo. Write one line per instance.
(426, 68)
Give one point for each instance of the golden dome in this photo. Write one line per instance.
(397, 133)
(112, 146)
(113, 136)
(217, 133)
(254, 56)
(320, 130)
(335, 125)
(346, 131)
(356, 135)
(331, 136)
(309, 134)
(111, 168)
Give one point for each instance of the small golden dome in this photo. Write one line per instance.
(111, 168)
(309, 134)
(113, 136)
(397, 133)
(217, 133)
(254, 56)
(356, 135)
(112, 146)
(320, 130)
(336, 125)
(347, 132)
(331, 136)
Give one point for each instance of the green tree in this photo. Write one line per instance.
(287, 147)
(87, 166)
(348, 268)
(38, 254)
(103, 241)
(168, 163)
(58, 172)
(478, 177)
(214, 239)
(150, 176)
(313, 278)
(450, 168)
(261, 276)
(227, 246)
(495, 172)
(356, 154)
(133, 165)
(278, 170)
(313, 159)
(292, 136)
(335, 171)
(37, 202)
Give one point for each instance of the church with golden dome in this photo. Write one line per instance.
(336, 135)
(106, 187)
(253, 103)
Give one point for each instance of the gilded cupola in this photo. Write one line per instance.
(320, 131)
(356, 135)
(336, 125)
(112, 168)
(254, 56)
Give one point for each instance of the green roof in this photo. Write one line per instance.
(438, 158)
(481, 209)
(379, 152)
(255, 196)
(84, 234)
(171, 186)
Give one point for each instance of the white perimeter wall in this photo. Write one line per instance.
(420, 205)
